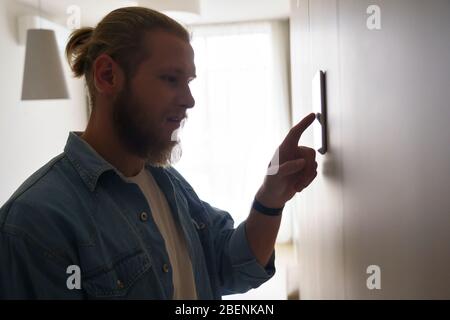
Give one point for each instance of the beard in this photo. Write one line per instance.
(143, 137)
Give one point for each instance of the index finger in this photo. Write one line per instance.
(296, 131)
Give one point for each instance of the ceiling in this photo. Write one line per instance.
(213, 11)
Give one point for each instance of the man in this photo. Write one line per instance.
(110, 217)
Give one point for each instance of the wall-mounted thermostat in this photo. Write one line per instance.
(320, 109)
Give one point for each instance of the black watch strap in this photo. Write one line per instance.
(267, 211)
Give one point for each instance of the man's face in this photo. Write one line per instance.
(158, 92)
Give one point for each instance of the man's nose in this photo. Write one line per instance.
(188, 100)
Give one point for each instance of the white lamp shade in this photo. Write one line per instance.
(43, 76)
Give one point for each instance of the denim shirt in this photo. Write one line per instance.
(77, 211)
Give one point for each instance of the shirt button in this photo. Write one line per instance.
(144, 216)
(201, 226)
(165, 267)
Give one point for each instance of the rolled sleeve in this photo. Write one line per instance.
(239, 270)
(244, 261)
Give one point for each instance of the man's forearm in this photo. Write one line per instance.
(296, 168)
(262, 231)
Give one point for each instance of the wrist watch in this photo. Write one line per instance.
(265, 210)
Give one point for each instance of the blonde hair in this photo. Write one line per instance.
(119, 34)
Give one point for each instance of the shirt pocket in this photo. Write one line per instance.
(116, 281)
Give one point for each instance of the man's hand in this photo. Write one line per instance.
(297, 168)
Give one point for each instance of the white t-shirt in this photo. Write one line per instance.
(183, 278)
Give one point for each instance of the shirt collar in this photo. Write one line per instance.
(89, 164)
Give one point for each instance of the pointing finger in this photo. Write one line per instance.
(296, 131)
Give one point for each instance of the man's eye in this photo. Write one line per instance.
(169, 79)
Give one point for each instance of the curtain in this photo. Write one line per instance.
(241, 115)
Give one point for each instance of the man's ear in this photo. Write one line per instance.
(108, 76)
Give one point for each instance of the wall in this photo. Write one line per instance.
(31, 132)
(380, 197)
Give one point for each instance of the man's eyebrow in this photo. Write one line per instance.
(179, 71)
